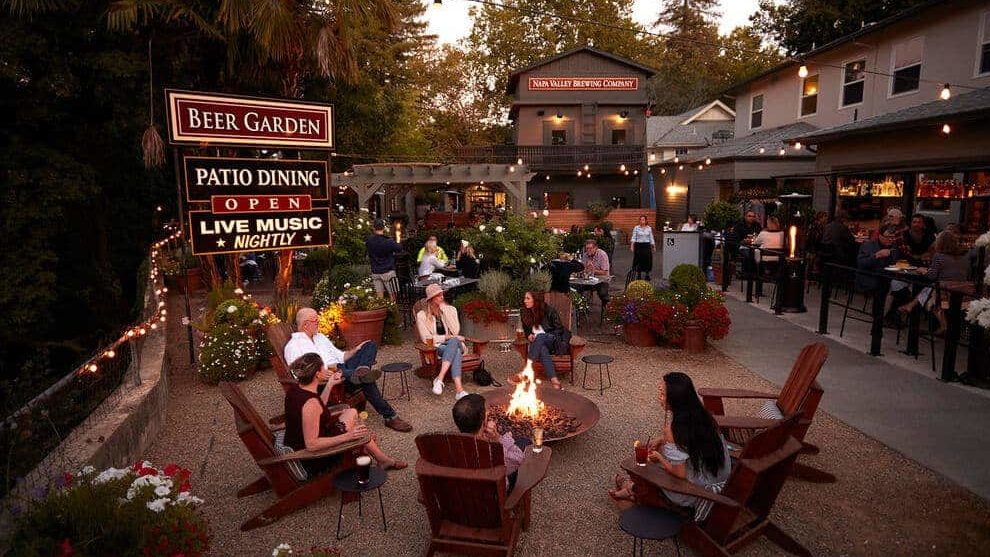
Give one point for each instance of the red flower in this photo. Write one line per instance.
(171, 469)
(65, 548)
(137, 466)
(184, 487)
(147, 472)
(68, 479)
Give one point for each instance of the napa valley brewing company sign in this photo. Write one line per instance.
(583, 83)
(254, 204)
(214, 119)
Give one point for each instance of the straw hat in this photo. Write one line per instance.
(433, 290)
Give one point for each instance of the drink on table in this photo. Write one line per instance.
(642, 451)
(363, 469)
(537, 439)
(429, 343)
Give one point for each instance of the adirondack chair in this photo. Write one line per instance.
(801, 394)
(563, 363)
(430, 361)
(278, 336)
(292, 492)
(462, 485)
(741, 513)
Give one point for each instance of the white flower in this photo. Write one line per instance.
(983, 240)
(532, 260)
(231, 309)
(87, 470)
(481, 227)
(158, 505)
(238, 291)
(499, 229)
(111, 474)
(184, 498)
(347, 285)
(162, 491)
(282, 550)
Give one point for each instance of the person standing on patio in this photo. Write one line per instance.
(438, 323)
(381, 253)
(642, 244)
(355, 364)
(546, 333)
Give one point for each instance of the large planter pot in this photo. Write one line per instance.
(360, 326)
(177, 284)
(694, 338)
(489, 332)
(638, 334)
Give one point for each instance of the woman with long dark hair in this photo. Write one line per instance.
(691, 448)
(546, 333)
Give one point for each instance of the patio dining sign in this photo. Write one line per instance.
(208, 178)
(583, 83)
(209, 119)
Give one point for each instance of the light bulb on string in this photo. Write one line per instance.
(782, 152)
(803, 71)
(708, 161)
(946, 129)
(946, 94)
(797, 146)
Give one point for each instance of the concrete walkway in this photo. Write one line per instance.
(938, 425)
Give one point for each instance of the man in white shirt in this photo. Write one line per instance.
(355, 364)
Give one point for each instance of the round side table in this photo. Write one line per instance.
(346, 482)
(650, 523)
(602, 361)
(401, 368)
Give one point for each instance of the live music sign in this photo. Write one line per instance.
(217, 119)
(583, 83)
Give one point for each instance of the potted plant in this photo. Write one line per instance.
(640, 313)
(719, 215)
(359, 315)
(700, 311)
(483, 317)
(171, 267)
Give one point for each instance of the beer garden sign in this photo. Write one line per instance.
(252, 204)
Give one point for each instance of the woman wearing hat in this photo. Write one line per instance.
(438, 322)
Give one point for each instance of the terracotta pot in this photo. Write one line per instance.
(694, 338)
(638, 334)
(360, 326)
(177, 284)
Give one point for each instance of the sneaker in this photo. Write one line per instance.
(398, 424)
(437, 387)
(364, 374)
(460, 395)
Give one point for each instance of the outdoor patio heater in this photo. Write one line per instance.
(790, 286)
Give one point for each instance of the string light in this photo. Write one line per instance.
(708, 161)
(797, 146)
(946, 93)
(782, 152)
(585, 168)
(946, 129)
(622, 167)
(803, 71)
(663, 171)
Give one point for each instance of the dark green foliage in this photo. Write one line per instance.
(599, 210)
(317, 262)
(688, 282)
(720, 215)
(332, 285)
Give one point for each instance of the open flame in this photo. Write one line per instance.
(793, 235)
(524, 402)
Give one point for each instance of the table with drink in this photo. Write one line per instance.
(359, 480)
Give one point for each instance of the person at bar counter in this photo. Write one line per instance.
(948, 264)
(917, 241)
(874, 256)
(381, 253)
(310, 426)
(355, 364)
(561, 270)
(467, 261)
(471, 417)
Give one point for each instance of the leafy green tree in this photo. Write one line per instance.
(800, 25)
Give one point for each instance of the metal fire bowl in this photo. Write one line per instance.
(570, 403)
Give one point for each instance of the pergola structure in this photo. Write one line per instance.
(400, 179)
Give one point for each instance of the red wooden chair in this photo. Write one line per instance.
(430, 361)
(292, 492)
(800, 394)
(563, 363)
(463, 487)
(740, 515)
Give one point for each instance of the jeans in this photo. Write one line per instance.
(452, 351)
(539, 350)
(365, 356)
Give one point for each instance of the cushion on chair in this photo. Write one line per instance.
(295, 466)
(770, 411)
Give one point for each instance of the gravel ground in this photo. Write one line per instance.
(883, 503)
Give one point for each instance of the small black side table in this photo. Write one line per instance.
(401, 368)
(602, 361)
(650, 523)
(346, 482)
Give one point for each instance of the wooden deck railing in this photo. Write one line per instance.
(547, 158)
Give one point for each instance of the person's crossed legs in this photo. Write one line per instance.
(364, 358)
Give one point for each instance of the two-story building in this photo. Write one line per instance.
(579, 124)
(870, 106)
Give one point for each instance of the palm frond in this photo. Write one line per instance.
(28, 7)
(334, 54)
(276, 28)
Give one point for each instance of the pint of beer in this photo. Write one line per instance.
(363, 469)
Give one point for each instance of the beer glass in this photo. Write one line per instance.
(537, 439)
(363, 469)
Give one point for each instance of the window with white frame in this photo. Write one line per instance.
(756, 112)
(853, 82)
(983, 58)
(907, 66)
(809, 95)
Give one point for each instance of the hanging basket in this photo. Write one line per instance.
(638, 334)
(359, 326)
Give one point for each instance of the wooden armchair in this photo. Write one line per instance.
(278, 336)
(292, 492)
(563, 363)
(430, 361)
(800, 395)
(462, 484)
(741, 513)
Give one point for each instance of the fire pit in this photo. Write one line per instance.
(561, 414)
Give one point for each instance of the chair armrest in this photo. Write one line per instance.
(531, 472)
(655, 475)
(337, 409)
(733, 393)
(744, 422)
(477, 346)
(308, 455)
(424, 348)
(578, 341)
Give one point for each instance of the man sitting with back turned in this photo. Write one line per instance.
(355, 364)
(471, 417)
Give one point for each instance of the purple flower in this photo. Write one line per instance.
(40, 492)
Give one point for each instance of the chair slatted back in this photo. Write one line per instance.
(756, 480)
(257, 438)
(803, 374)
(562, 303)
(278, 336)
(419, 306)
(462, 480)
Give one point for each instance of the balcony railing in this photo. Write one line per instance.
(556, 158)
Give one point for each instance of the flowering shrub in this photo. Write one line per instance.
(228, 353)
(331, 286)
(138, 511)
(361, 297)
(284, 550)
(639, 289)
(713, 316)
(484, 311)
(237, 312)
(579, 303)
(978, 312)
